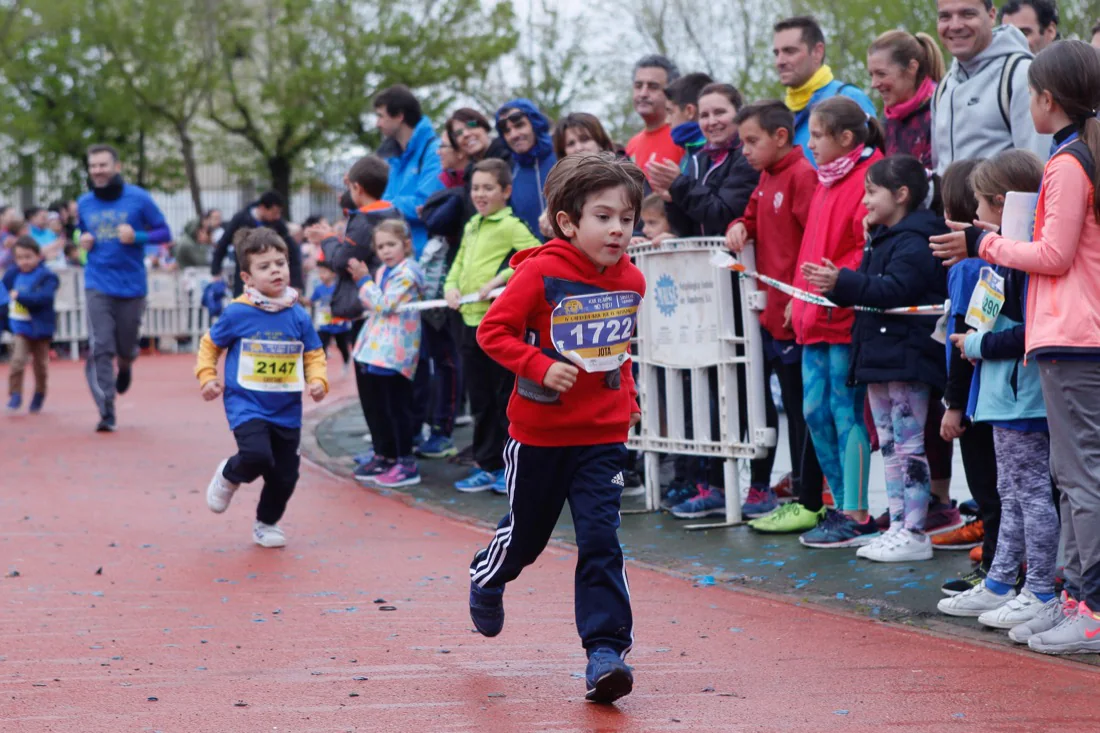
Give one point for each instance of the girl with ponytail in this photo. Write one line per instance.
(1062, 325)
(905, 69)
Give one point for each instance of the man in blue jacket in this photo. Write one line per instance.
(117, 220)
(527, 133)
(415, 169)
(799, 49)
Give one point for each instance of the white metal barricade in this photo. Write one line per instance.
(688, 325)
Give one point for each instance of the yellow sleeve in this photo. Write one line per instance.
(206, 367)
(316, 367)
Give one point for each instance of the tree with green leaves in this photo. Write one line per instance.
(297, 76)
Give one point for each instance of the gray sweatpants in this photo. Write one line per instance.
(114, 325)
(1029, 523)
(1071, 390)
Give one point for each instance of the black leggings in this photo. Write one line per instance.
(269, 451)
(342, 342)
(980, 465)
(387, 402)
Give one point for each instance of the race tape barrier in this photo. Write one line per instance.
(427, 305)
(725, 261)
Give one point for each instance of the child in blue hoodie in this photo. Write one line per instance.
(31, 288)
(527, 133)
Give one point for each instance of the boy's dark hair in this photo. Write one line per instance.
(574, 179)
(811, 31)
(500, 170)
(27, 242)
(657, 61)
(399, 100)
(347, 203)
(729, 91)
(256, 242)
(102, 148)
(959, 201)
(1045, 11)
(901, 171)
(372, 174)
(685, 90)
(326, 265)
(772, 116)
(466, 115)
(653, 201)
(311, 220)
(31, 211)
(272, 198)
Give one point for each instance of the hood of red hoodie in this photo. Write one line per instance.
(568, 252)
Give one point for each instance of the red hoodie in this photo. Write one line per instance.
(516, 334)
(834, 232)
(776, 220)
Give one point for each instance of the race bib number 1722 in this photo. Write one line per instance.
(593, 331)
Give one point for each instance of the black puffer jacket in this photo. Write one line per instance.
(898, 270)
(706, 200)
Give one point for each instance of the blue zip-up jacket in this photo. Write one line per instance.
(530, 169)
(1009, 390)
(36, 291)
(832, 89)
(414, 176)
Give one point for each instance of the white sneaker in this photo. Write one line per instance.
(1019, 610)
(634, 491)
(974, 602)
(1054, 612)
(902, 546)
(268, 535)
(872, 546)
(220, 492)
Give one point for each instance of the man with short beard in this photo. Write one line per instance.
(117, 220)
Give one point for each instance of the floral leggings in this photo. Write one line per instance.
(834, 417)
(900, 410)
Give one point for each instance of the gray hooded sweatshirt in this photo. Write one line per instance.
(967, 121)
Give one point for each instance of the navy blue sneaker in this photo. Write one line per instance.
(487, 609)
(607, 677)
(839, 530)
(36, 402)
(364, 458)
(15, 402)
(707, 502)
(677, 493)
(760, 501)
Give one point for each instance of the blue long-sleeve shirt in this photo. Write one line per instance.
(114, 268)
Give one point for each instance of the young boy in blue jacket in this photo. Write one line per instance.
(31, 288)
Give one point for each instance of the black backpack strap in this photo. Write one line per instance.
(1004, 89)
(1079, 150)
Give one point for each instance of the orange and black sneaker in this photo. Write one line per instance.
(965, 537)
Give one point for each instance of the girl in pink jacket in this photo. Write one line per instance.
(1062, 323)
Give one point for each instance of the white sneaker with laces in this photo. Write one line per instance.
(268, 535)
(220, 492)
(872, 546)
(902, 546)
(1019, 610)
(1054, 612)
(974, 602)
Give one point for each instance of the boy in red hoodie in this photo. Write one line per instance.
(572, 303)
(775, 220)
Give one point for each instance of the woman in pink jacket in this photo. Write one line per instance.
(1063, 325)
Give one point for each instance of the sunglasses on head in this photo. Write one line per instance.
(512, 120)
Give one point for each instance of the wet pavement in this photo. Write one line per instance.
(125, 605)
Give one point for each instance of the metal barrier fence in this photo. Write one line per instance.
(699, 324)
(173, 309)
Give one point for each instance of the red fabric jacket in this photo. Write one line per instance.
(516, 334)
(834, 232)
(776, 220)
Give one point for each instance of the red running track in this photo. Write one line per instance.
(228, 637)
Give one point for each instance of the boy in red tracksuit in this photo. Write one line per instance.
(775, 219)
(572, 303)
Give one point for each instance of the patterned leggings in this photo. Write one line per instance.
(900, 410)
(1029, 523)
(834, 417)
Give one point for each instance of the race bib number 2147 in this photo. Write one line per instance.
(593, 331)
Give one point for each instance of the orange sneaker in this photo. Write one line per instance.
(827, 495)
(968, 536)
(976, 554)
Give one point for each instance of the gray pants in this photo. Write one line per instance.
(1029, 522)
(114, 325)
(1071, 390)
